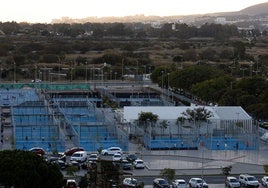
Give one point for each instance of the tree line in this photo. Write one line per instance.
(128, 30)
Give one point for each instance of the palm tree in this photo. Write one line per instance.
(148, 119)
(197, 115)
(163, 126)
(180, 120)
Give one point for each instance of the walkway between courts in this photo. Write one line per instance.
(204, 161)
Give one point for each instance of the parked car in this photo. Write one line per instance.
(126, 165)
(179, 183)
(93, 157)
(60, 163)
(38, 150)
(264, 181)
(111, 151)
(232, 182)
(247, 180)
(132, 157)
(130, 182)
(138, 163)
(160, 183)
(117, 157)
(36, 80)
(124, 156)
(71, 151)
(71, 183)
(73, 164)
(79, 156)
(197, 183)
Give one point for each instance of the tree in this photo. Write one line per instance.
(26, 169)
(168, 174)
(144, 117)
(265, 167)
(197, 115)
(163, 126)
(226, 170)
(191, 75)
(180, 120)
(148, 119)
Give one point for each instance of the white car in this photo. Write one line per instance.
(197, 183)
(117, 157)
(179, 183)
(79, 156)
(264, 181)
(130, 182)
(138, 163)
(247, 180)
(71, 183)
(37, 80)
(111, 151)
(232, 182)
(93, 157)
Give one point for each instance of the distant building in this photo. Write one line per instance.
(220, 20)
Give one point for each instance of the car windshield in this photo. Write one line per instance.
(76, 155)
(233, 180)
(133, 181)
(181, 183)
(251, 178)
(200, 181)
(162, 182)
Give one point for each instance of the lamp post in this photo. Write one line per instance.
(168, 84)
(111, 74)
(14, 72)
(232, 67)
(243, 71)
(59, 69)
(122, 71)
(86, 73)
(71, 73)
(162, 82)
(0, 70)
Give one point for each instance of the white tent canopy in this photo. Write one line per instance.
(131, 113)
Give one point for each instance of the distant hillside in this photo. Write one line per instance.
(256, 9)
(251, 11)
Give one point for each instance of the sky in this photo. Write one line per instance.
(37, 11)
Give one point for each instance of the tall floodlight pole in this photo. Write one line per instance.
(86, 73)
(162, 82)
(14, 63)
(59, 70)
(168, 84)
(122, 71)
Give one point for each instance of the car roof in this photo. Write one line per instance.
(36, 148)
(71, 180)
(93, 154)
(130, 179)
(159, 179)
(196, 178)
(231, 177)
(179, 180)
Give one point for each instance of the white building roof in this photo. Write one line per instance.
(173, 112)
